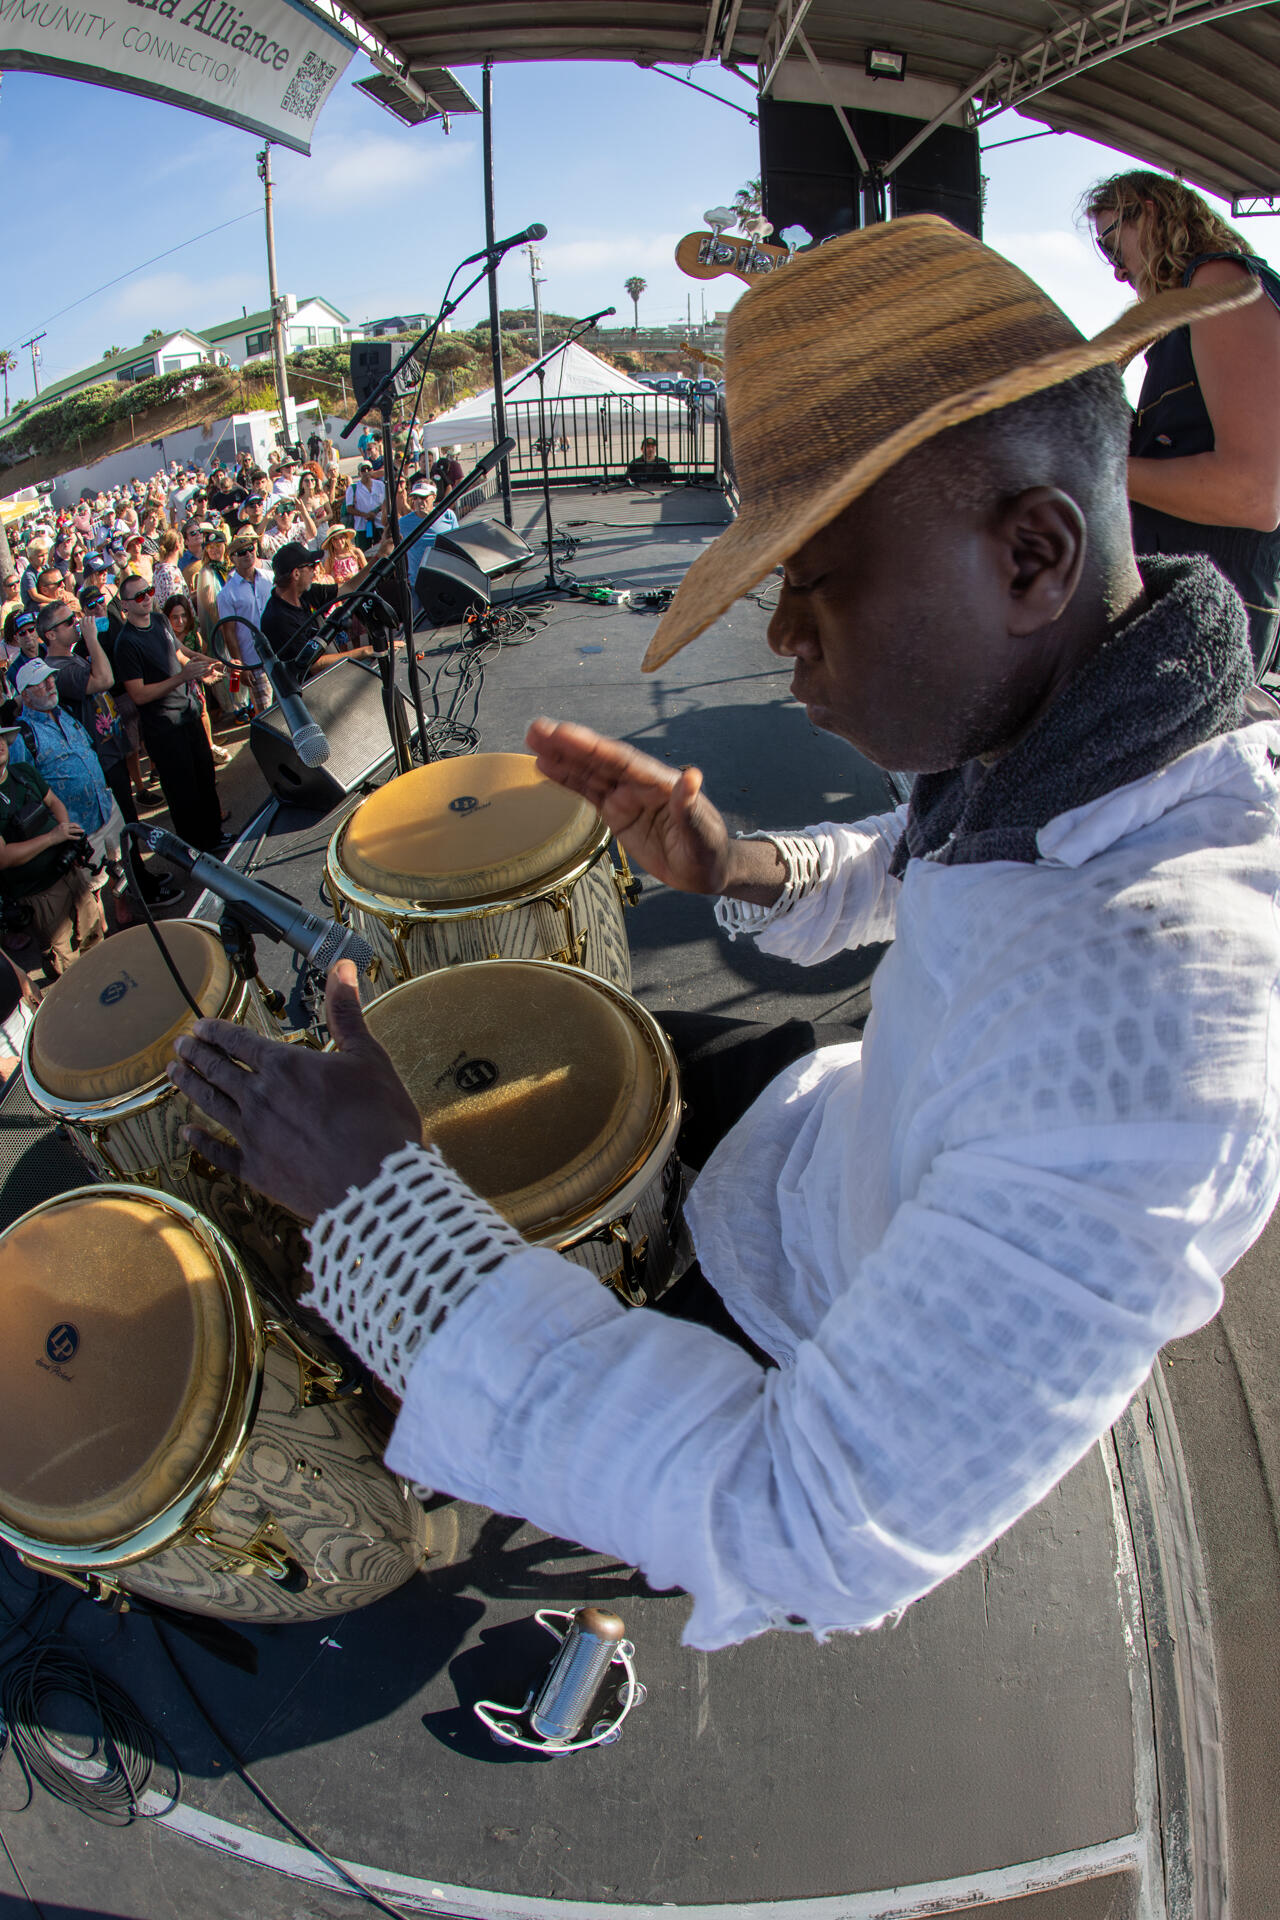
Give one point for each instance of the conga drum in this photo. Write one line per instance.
(94, 1058)
(556, 1096)
(479, 858)
(158, 1437)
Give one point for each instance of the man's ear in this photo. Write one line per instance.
(1043, 536)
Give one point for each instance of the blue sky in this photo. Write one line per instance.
(616, 162)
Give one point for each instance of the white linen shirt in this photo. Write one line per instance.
(964, 1240)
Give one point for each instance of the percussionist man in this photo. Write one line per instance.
(961, 1241)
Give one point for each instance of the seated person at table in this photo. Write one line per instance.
(945, 1251)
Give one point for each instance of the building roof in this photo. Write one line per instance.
(105, 368)
(257, 322)
(1187, 85)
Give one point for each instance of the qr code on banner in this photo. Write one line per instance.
(306, 89)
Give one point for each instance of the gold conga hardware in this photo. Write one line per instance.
(264, 1552)
(628, 886)
(627, 1280)
(94, 1586)
(318, 1379)
(570, 956)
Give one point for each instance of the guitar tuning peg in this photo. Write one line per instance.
(718, 218)
(793, 238)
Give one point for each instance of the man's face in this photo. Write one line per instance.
(43, 697)
(301, 578)
(137, 599)
(649, 448)
(195, 542)
(245, 560)
(253, 511)
(896, 618)
(61, 637)
(29, 643)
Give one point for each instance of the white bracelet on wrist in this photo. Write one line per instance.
(393, 1259)
(802, 862)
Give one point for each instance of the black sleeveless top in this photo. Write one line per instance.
(1173, 422)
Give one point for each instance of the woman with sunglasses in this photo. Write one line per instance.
(1204, 468)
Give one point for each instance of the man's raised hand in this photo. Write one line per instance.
(659, 814)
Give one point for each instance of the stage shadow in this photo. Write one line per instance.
(510, 1659)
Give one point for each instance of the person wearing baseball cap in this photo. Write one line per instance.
(412, 509)
(938, 1254)
(365, 499)
(37, 837)
(288, 617)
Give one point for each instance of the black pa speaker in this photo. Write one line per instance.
(449, 586)
(487, 544)
(346, 704)
(811, 178)
(371, 362)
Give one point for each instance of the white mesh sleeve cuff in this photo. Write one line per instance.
(392, 1259)
(803, 861)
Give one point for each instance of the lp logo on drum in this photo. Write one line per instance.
(467, 803)
(474, 1075)
(114, 992)
(62, 1343)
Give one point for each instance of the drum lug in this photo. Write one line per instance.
(627, 1278)
(571, 956)
(94, 1586)
(264, 1553)
(627, 883)
(318, 1378)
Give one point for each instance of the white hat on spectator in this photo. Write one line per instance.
(30, 672)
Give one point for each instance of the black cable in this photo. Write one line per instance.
(126, 1743)
(277, 1812)
(127, 853)
(32, 1902)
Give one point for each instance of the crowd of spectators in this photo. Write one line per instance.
(129, 626)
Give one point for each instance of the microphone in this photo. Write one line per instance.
(603, 314)
(536, 232)
(308, 739)
(268, 911)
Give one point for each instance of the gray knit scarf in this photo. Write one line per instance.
(1174, 676)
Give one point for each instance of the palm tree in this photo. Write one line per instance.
(8, 365)
(635, 287)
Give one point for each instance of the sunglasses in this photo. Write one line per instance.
(1109, 250)
(136, 599)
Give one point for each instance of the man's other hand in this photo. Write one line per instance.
(660, 814)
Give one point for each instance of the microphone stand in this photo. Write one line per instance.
(539, 368)
(328, 625)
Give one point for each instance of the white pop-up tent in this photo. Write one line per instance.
(574, 374)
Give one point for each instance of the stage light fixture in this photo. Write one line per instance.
(884, 64)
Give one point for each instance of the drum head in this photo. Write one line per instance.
(536, 1083)
(468, 829)
(115, 1331)
(107, 1027)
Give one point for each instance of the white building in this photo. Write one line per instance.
(165, 353)
(314, 322)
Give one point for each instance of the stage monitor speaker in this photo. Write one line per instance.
(449, 587)
(488, 545)
(811, 179)
(346, 704)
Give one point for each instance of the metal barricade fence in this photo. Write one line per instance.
(596, 436)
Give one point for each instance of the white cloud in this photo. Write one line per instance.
(174, 299)
(368, 172)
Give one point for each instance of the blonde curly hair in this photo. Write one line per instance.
(1181, 224)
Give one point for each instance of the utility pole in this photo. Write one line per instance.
(34, 344)
(536, 281)
(277, 312)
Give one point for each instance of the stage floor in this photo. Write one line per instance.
(1018, 1741)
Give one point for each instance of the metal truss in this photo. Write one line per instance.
(1099, 34)
(385, 57)
(788, 18)
(1096, 35)
(1250, 206)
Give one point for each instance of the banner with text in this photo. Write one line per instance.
(268, 65)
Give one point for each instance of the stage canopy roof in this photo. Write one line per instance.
(1186, 85)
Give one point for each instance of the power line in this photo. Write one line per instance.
(128, 275)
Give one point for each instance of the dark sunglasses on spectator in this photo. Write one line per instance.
(69, 620)
(134, 599)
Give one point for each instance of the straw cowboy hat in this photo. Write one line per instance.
(840, 364)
